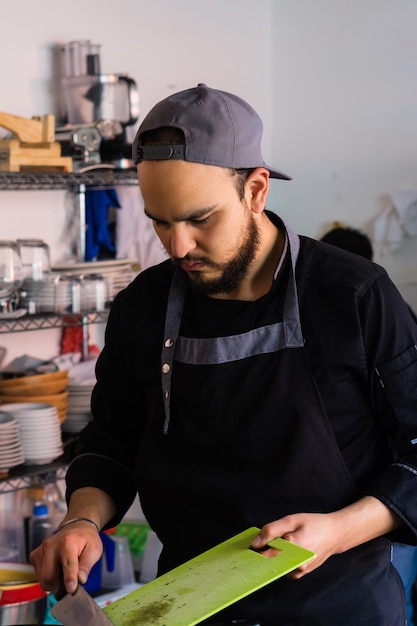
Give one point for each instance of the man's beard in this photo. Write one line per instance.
(234, 270)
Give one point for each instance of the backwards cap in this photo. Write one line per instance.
(219, 128)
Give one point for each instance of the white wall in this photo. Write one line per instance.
(345, 126)
(164, 45)
(334, 81)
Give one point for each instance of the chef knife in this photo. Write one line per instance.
(78, 609)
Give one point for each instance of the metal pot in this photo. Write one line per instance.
(24, 613)
(18, 583)
(22, 600)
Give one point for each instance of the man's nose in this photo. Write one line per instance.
(181, 242)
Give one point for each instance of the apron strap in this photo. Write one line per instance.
(175, 306)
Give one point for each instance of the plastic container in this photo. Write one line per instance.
(93, 583)
(150, 558)
(40, 526)
(118, 566)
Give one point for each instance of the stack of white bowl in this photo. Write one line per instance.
(78, 412)
(40, 431)
(11, 451)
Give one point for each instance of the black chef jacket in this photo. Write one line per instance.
(361, 346)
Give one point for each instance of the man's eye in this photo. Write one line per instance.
(199, 222)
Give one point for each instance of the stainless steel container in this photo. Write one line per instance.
(19, 613)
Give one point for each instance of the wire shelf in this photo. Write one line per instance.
(64, 180)
(28, 476)
(44, 322)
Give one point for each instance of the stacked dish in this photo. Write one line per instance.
(118, 272)
(52, 294)
(40, 431)
(49, 388)
(11, 451)
(79, 413)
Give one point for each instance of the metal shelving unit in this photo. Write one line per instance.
(26, 476)
(97, 177)
(77, 182)
(47, 321)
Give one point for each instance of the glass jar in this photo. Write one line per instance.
(68, 294)
(10, 274)
(35, 257)
(94, 292)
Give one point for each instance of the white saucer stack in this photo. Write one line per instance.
(40, 431)
(11, 451)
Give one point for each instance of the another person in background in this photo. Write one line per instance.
(404, 556)
(350, 239)
(353, 240)
(255, 378)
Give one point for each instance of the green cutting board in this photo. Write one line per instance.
(206, 584)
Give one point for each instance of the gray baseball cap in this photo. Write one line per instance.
(219, 128)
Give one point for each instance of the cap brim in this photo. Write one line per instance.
(276, 174)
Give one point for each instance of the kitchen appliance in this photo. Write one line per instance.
(99, 108)
(200, 587)
(90, 99)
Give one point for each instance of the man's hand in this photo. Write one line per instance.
(74, 550)
(326, 534)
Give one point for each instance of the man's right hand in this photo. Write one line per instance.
(74, 550)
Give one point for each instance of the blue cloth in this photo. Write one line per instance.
(404, 558)
(98, 240)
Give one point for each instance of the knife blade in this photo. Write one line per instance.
(78, 609)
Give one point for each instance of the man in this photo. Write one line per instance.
(257, 378)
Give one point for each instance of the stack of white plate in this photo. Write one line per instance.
(54, 293)
(11, 451)
(38, 296)
(40, 431)
(78, 412)
(118, 272)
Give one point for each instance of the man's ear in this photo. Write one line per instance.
(257, 187)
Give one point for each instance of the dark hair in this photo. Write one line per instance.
(168, 135)
(350, 239)
(241, 176)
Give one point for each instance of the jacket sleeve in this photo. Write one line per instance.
(110, 443)
(390, 338)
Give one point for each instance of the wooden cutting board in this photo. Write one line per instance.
(207, 584)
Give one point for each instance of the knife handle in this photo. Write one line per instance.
(61, 589)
